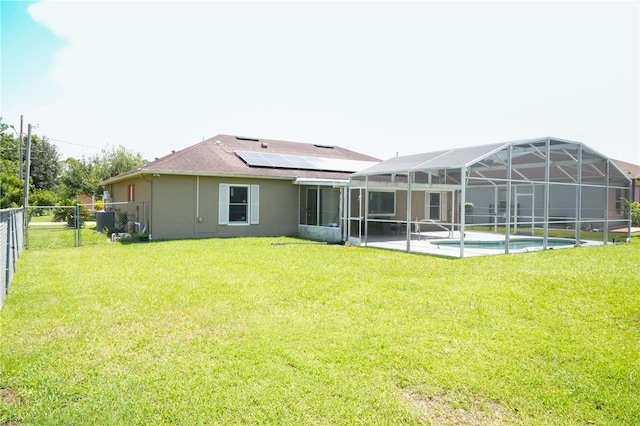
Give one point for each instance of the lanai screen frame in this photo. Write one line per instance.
(555, 169)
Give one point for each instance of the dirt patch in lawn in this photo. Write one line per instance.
(9, 396)
(447, 410)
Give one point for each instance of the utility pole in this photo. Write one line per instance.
(20, 151)
(25, 204)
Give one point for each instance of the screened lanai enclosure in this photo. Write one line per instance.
(504, 197)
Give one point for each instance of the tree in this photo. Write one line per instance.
(118, 160)
(11, 190)
(11, 187)
(44, 163)
(8, 150)
(77, 177)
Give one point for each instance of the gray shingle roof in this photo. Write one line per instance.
(630, 169)
(216, 156)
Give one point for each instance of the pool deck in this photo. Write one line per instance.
(427, 244)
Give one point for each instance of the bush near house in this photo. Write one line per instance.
(635, 213)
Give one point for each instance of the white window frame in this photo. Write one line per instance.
(440, 206)
(253, 204)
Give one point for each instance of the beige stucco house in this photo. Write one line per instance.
(633, 171)
(229, 186)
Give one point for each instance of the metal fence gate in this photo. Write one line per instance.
(43, 233)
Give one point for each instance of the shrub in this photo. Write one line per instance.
(635, 213)
(634, 209)
(98, 205)
(65, 212)
(43, 197)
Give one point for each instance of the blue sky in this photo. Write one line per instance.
(27, 49)
(376, 77)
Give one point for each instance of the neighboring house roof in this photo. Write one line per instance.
(630, 169)
(226, 155)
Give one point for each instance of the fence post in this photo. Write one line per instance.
(5, 278)
(25, 228)
(76, 231)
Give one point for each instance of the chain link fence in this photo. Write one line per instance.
(54, 227)
(11, 241)
(48, 227)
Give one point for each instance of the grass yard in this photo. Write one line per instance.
(59, 235)
(246, 331)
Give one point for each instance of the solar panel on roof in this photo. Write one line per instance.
(284, 161)
(278, 160)
(254, 159)
(301, 162)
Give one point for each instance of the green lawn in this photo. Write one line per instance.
(43, 218)
(245, 331)
(59, 235)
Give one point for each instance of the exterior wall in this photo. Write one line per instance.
(322, 233)
(142, 195)
(418, 205)
(187, 207)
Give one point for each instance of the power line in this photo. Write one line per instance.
(71, 143)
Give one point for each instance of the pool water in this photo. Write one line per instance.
(514, 243)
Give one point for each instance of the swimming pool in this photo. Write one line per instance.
(514, 243)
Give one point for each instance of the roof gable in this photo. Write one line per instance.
(630, 169)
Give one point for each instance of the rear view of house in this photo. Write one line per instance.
(229, 186)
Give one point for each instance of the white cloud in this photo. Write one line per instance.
(375, 77)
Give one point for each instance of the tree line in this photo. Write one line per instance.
(54, 181)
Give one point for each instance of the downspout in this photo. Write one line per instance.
(150, 203)
(299, 207)
(197, 198)
(318, 207)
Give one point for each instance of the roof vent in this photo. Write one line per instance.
(324, 146)
(247, 139)
(264, 145)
